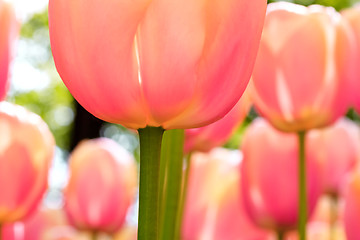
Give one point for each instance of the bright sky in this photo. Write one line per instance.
(25, 8)
(23, 71)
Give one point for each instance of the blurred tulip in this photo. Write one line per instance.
(338, 148)
(301, 79)
(127, 233)
(320, 231)
(35, 226)
(101, 187)
(351, 215)
(26, 151)
(216, 134)
(269, 177)
(168, 63)
(8, 33)
(213, 207)
(352, 16)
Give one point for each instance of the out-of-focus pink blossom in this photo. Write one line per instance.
(301, 76)
(8, 33)
(269, 177)
(26, 151)
(206, 138)
(338, 148)
(101, 187)
(351, 216)
(214, 208)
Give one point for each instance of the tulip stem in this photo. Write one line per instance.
(183, 197)
(333, 215)
(172, 154)
(149, 190)
(302, 187)
(280, 235)
(94, 235)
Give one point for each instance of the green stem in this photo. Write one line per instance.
(172, 154)
(183, 198)
(94, 235)
(302, 187)
(149, 190)
(280, 235)
(333, 216)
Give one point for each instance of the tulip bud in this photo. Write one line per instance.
(214, 135)
(214, 208)
(8, 33)
(338, 148)
(351, 216)
(26, 150)
(101, 187)
(301, 76)
(269, 177)
(168, 63)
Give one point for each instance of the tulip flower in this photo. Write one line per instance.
(300, 77)
(166, 64)
(126, 233)
(320, 231)
(269, 177)
(338, 149)
(351, 216)
(101, 187)
(352, 16)
(26, 151)
(214, 208)
(216, 134)
(36, 226)
(156, 63)
(8, 33)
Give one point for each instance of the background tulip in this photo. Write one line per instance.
(216, 134)
(338, 149)
(8, 33)
(300, 76)
(156, 63)
(26, 151)
(36, 226)
(352, 16)
(214, 208)
(101, 187)
(352, 206)
(269, 177)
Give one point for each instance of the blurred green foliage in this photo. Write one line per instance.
(54, 102)
(337, 4)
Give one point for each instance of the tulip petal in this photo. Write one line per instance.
(96, 58)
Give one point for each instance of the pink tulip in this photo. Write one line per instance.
(8, 33)
(162, 63)
(338, 148)
(351, 216)
(26, 151)
(320, 231)
(270, 177)
(101, 187)
(214, 209)
(127, 233)
(352, 16)
(36, 226)
(300, 76)
(216, 134)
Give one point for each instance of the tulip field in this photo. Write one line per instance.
(180, 120)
